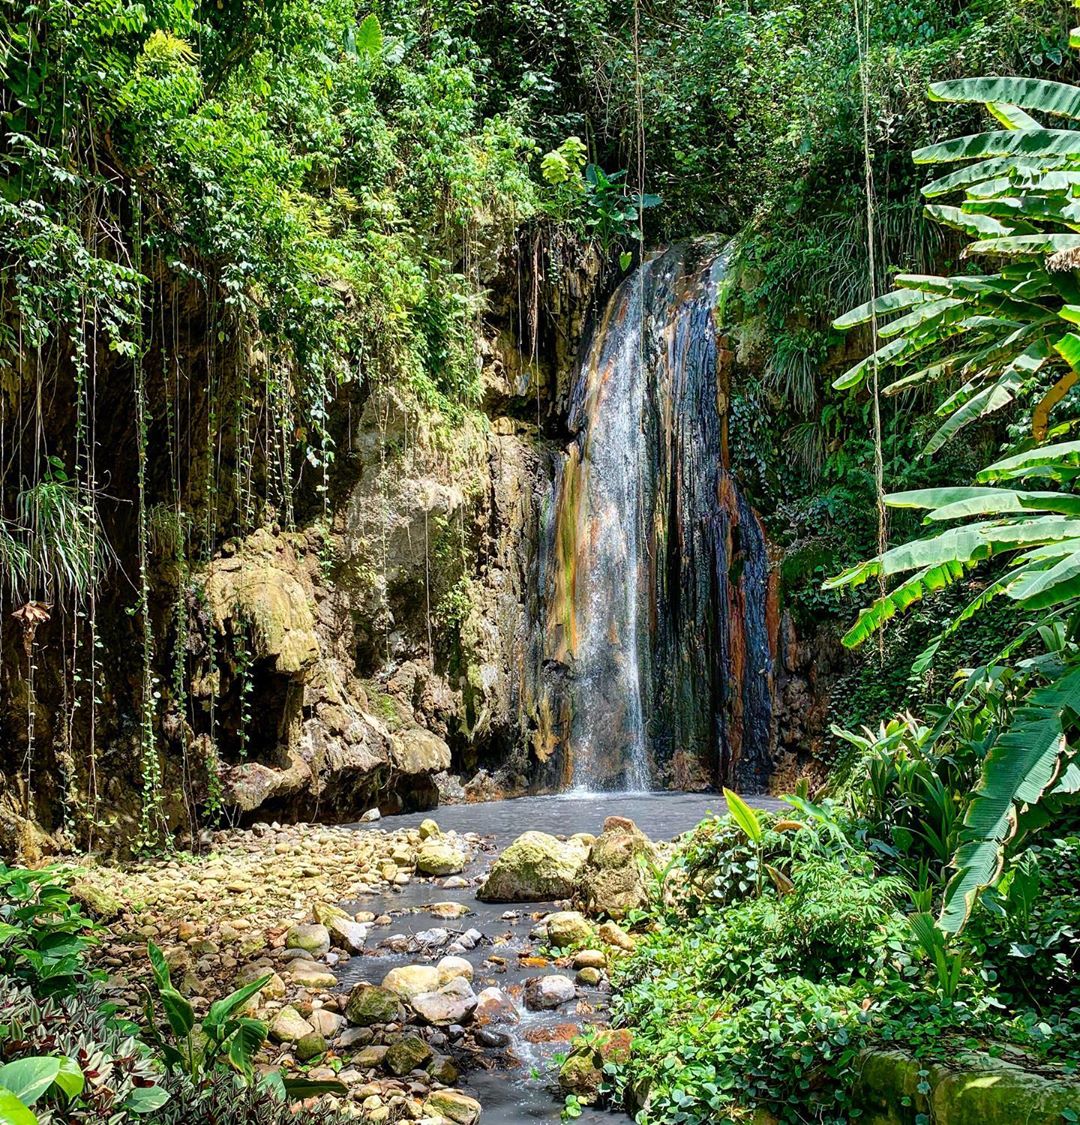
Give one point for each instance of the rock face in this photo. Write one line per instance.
(613, 881)
(536, 867)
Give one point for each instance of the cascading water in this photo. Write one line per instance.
(658, 640)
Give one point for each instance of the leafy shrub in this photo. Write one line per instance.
(44, 935)
(224, 1100)
(122, 1078)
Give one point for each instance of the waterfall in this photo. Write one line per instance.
(658, 634)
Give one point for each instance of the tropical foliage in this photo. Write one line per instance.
(999, 336)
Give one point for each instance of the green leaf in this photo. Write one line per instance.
(984, 170)
(146, 1099)
(158, 965)
(1012, 116)
(975, 225)
(1064, 454)
(222, 1009)
(1057, 98)
(178, 1011)
(1048, 243)
(13, 1112)
(914, 589)
(369, 36)
(29, 1078)
(1029, 143)
(744, 816)
(1017, 770)
(245, 1043)
(887, 303)
(70, 1077)
(300, 1088)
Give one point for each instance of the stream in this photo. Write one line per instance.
(513, 1081)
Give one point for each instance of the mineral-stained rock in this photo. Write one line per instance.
(536, 867)
(494, 1006)
(416, 751)
(454, 1106)
(408, 1054)
(369, 1004)
(583, 1069)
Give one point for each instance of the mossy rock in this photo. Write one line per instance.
(536, 867)
(975, 1089)
(96, 901)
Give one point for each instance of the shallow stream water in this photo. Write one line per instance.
(513, 1082)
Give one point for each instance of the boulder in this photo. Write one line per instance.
(582, 1070)
(455, 1002)
(310, 1046)
(416, 751)
(369, 1004)
(613, 934)
(590, 959)
(406, 1055)
(568, 929)
(326, 1023)
(451, 967)
(437, 857)
(313, 939)
(309, 974)
(613, 881)
(536, 867)
(494, 1006)
(454, 1106)
(545, 993)
(407, 981)
(288, 1026)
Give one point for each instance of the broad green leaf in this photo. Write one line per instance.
(300, 1088)
(369, 36)
(29, 1078)
(1048, 243)
(146, 1099)
(986, 401)
(158, 965)
(1012, 116)
(1057, 98)
(974, 224)
(887, 303)
(1064, 454)
(222, 1009)
(178, 1011)
(245, 1043)
(1050, 586)
(924, 311)
(70, 1077)
(1026, 143)
(13, 1112)
(1017, 770)
(986, 169)
(914, 589)
(744, 816)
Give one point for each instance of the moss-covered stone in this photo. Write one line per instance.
(976, 1089)
(536, 867)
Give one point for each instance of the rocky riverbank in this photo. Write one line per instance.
(378, 975)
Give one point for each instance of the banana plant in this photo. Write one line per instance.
(1004, 335)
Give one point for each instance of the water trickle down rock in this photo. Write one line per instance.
(660, 649)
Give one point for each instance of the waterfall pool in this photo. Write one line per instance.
(514, 1081)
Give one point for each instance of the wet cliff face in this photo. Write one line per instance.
(660, 631)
